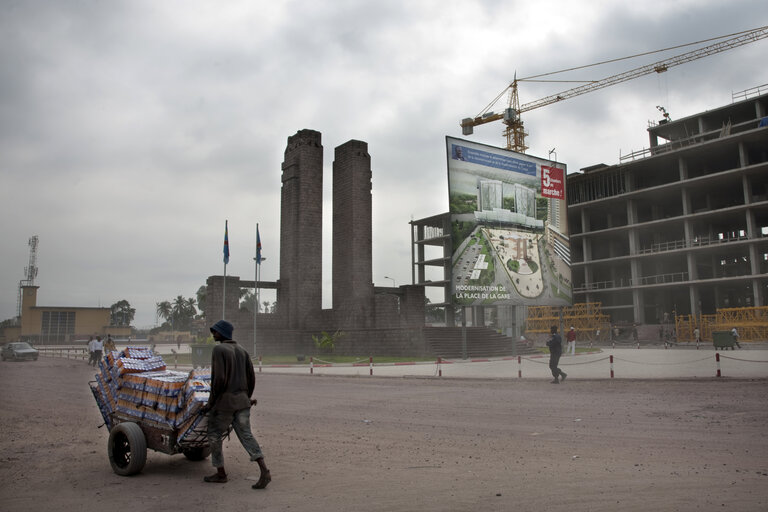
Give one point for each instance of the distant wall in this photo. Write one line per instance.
(354, 342)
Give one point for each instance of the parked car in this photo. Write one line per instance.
(19, 351)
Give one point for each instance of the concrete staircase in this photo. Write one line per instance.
(481, 342)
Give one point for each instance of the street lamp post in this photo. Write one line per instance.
(393, 281)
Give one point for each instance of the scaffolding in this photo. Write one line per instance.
(751, 323)
(586, 318)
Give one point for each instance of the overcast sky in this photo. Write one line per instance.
(130, 130)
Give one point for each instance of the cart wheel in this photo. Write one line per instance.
(197, 453)
(127, 449)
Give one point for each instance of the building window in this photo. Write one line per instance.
(58, 323)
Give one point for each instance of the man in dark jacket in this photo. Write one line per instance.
(555, 345)
(232, 383)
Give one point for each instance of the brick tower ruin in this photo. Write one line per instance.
(300, 290)
(353, 304)
(374, 320)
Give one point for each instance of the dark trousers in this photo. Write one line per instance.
(554, 359)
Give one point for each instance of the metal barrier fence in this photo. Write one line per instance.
(64, 351)
(685, 364)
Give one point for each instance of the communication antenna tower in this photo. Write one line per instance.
(30, 271)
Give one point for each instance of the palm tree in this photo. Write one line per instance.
(164, 310)
(182, 312)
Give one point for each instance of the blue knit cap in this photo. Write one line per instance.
(224, 328)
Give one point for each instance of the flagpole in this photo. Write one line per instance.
(226, 260)
(255, 288)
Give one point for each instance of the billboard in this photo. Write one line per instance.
(508, 226)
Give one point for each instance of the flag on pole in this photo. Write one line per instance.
(226, 243)
(258, 246)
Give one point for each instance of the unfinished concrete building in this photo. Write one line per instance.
(680, 228)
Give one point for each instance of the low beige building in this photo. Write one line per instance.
(60, 324)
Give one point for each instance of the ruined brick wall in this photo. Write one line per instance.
(215, 308)
(412, 306)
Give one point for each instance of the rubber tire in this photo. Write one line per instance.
(127, 449)
(198, 453)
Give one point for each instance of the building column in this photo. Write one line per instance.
(693, 295)
(758, 299)
(754, 262)
(639, 306)
(743, 156)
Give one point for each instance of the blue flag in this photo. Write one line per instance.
(258, 246)
(226, 243)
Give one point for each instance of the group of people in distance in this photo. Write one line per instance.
(97, 347)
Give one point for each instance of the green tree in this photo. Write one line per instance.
(183, 312)
(164, 310)
(327, 342)
(247, 301)
(121, 313)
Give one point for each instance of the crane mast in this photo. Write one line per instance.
(514, 131)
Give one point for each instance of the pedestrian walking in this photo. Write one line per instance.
(735, 335)
(98, 349)
(570, 338)
(555, 344)
(90, 346)
(232, 382)
(109, 344)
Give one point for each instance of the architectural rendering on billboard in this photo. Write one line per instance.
(509, 227)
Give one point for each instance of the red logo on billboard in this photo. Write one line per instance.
(552, 182)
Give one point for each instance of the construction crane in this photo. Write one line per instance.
(514, 130)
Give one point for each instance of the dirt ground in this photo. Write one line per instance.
(391, 444)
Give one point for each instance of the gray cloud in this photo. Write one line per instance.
(131, 130)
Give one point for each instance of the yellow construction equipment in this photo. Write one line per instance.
(515, 132)
(586, 317)
(751, 324)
